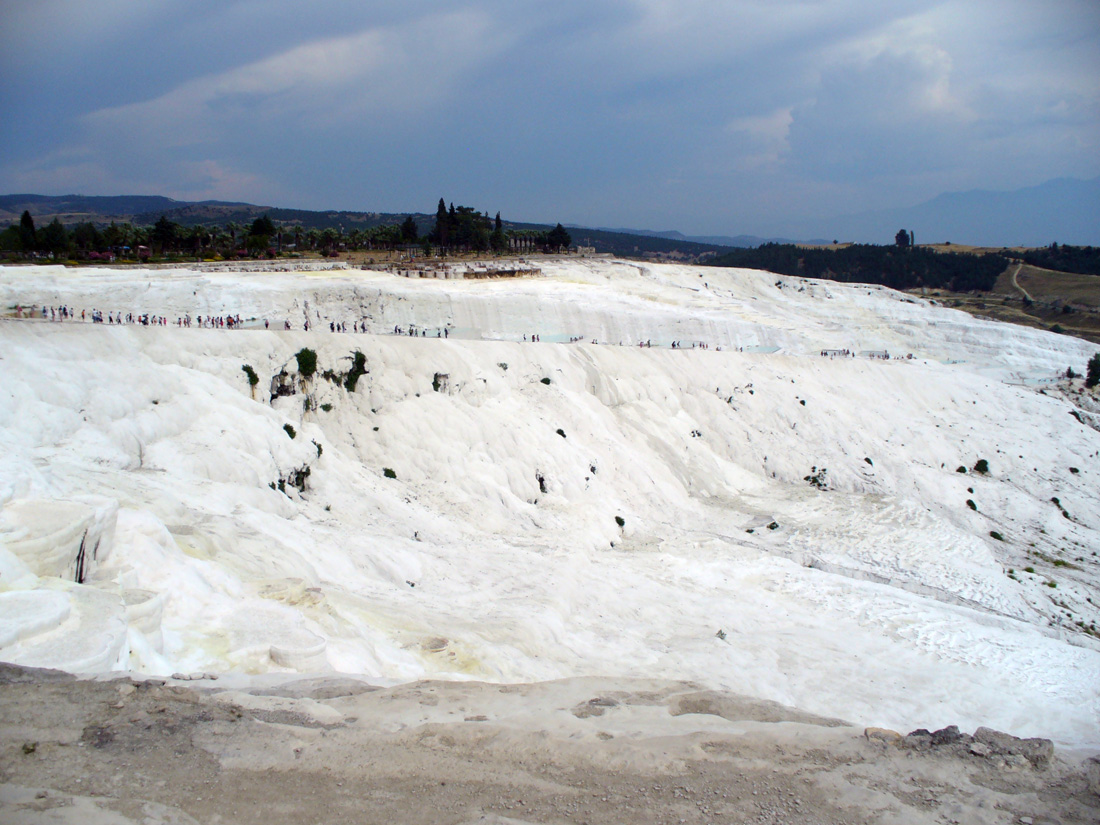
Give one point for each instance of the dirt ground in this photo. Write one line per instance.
(1060, 301)
(336, 750)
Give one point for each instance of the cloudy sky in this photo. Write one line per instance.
(708, 116)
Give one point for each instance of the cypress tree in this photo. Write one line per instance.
(26, 231)
(441, 234)
(1092, 376)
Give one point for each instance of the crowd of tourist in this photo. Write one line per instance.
(97, 316)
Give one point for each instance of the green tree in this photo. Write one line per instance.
(902, 239)
(165, 234)
(257, 245)
(262, 226)
(558, 238)
(259, 236)
(27, 235)
(10, 241)
(307, 362)
(441, 235)
(115, 236)
(234, 229)
(1092, 373)
(498, 240)
(87, 238)
(198, 237)
(409, 232)
(54, 238)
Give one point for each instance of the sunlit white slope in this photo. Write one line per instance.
(497, 550)
(609, 301)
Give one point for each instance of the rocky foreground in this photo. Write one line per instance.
(338, 750)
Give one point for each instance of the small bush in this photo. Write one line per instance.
(1051, 583)
(326, 407)
(298, 478)
(290, 431)
(994, 534)
(869, 461)
(358, 369)
(319, 450)
(1092, 371)
(561, 432)
(982, 466)
(503, 366)
(818, 478)
(1029, 569)
(307, 362)
(619, 520)
(388, 473)
(1074, 470)
(546, 381)
(970, 503)
(253, 379)
(960, 469)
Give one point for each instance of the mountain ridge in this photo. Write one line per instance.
(980, 217)
(983, 217)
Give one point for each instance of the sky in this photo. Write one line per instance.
(708, 116)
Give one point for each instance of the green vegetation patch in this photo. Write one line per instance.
(307, 362)
(896, 266)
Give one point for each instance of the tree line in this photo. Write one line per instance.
(901, 266)
(464, 229)
(1082, 260)
(456, 230)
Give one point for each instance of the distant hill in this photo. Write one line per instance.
(71, 209)
(737, 241)
(145, 210)
(1022, 217)
(636, 245)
